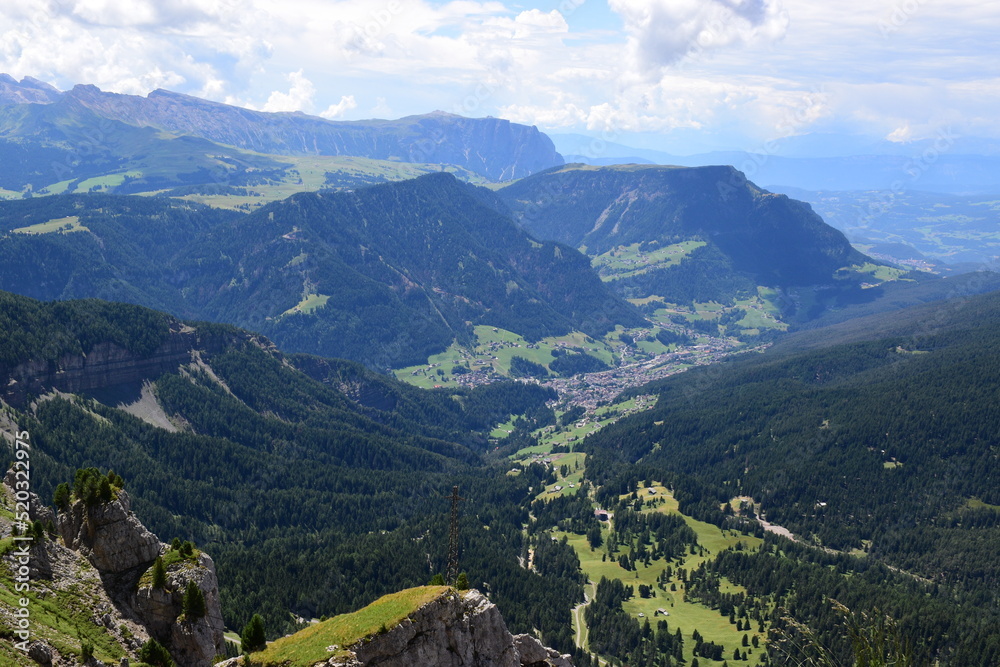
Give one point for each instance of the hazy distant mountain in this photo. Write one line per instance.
(28, 91)
(495, 148)
(960, 230)
(956, 165)
(57, 147)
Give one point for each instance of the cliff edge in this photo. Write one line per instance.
(430, 625)
(86, 584)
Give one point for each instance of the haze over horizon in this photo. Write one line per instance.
(677, 76)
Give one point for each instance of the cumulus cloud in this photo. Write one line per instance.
(298, 98)
(346, 103)
(901, 134)
(663, 32)
(749, 67)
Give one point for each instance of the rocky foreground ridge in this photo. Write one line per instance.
(95, 571)
(446, 628)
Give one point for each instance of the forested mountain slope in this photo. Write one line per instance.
(314, 496)
(386, 275)
(882, 445)
(882, 430)
(744, 236)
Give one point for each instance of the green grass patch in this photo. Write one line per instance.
(312, 645)
(878, 272)
(976, 503)
(309, 174)
(310, 303)
(427, 376)
(58, 225)
(106, 182)
(629, 261)
(685, 614)
(62, 618)
(493, 350)
(504, 429)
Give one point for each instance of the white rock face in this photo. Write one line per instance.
(109, 535)
(455, 630)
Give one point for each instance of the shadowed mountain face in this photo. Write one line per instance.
(397, 271)
(774, 240)
(494, 148)
(386, 275)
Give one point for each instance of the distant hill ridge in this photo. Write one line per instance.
(492, 147)
(748, 236)
(385, 275)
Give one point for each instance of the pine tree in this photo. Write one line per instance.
(153, 653)
(253, 638)
(462, 583)
(159, 574)
(193, 604)
(62, 497)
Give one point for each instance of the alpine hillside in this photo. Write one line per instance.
(386, 275)
(682, 235)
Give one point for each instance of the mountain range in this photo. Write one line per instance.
(118, 134)
(208, 300)
(947, 163)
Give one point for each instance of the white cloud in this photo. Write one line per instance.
(749, 69)
(337, 110)
(663, 32)
(901, 134)
(298, 98)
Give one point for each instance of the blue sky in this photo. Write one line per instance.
(677, 75)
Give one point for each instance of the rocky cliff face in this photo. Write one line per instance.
(122, 550)
(495, 148)
(191, 643)
(109, 535)
(455, 630)
(105, 365)
(57, 574)
(27, 91)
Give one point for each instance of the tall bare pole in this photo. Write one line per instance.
(453, 538)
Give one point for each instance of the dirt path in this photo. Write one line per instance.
(579, 637)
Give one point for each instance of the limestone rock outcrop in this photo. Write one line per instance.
(105, 365)
(109, 535)
(191, 642)
(122, 550)
(534, 654)
(56, 572)
(454, 630)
